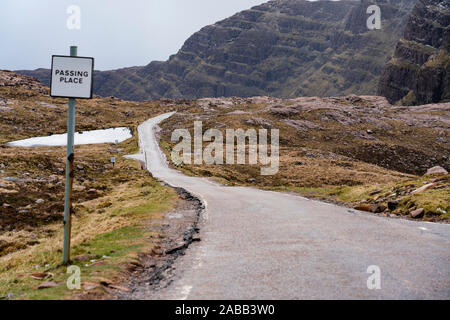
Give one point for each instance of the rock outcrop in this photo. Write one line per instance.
(282, 48)
(419, 72)
(11, 79)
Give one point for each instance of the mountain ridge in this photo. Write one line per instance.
(282, 48)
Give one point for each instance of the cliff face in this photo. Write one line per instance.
(419, 72)
(282, 48)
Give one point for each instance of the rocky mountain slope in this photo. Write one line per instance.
(283, 48)
(419, 72)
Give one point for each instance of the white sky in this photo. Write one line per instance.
(118, 33)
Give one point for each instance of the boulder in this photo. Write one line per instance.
(418, 213)
(437, 171)
(374, 208)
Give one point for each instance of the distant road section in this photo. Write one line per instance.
(268, 245)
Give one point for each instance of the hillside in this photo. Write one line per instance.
(361, 151)
(283, 48)
(419, 72)
(111, 203)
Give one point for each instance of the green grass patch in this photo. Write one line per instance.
(115, 248)
(128, 212)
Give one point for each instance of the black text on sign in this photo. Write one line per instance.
(72, 77)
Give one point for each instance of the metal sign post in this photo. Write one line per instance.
(72, 77)
(69, 172)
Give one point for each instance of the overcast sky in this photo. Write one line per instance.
(118, 33)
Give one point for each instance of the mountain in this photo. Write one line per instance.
(282, 48)
(419, 72)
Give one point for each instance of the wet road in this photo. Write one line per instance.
(267, 245)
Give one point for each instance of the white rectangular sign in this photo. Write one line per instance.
(72, 77)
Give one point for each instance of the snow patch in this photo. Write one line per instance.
(111, 135)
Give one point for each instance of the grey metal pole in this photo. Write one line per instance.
(69, 172)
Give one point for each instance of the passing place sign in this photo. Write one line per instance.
(72, 77)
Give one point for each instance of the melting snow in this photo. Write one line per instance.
(112, 135)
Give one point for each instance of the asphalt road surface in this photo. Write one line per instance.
(268, 245)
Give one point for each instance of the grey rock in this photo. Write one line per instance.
(418, 213)
(437, 170)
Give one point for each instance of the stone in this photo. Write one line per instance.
(6, 109)
(77, 187)
(378, 208)
(374, 208)
(363, 207)
(40, 275)
(424, 188)
(418, 213)
(98, 263)
(90, 285)
(259, 122)
(436, 171)
(393, 204)
(53, 178)
(129, 113)
(92, 191)
(85, 257)
(39, 201)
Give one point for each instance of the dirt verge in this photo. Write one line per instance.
(180, 229)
